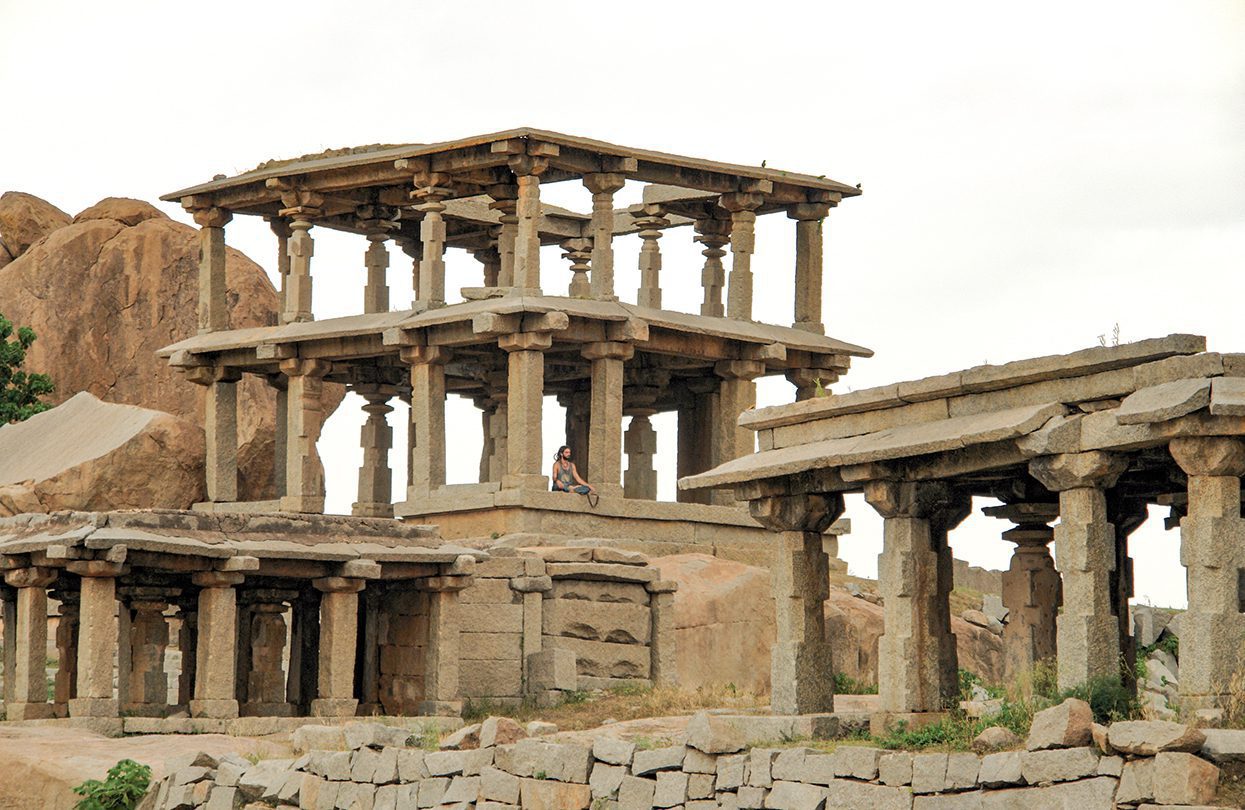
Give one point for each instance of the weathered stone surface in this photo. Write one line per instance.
(962, 771)
(25, 219)
(1182, 778)
(542, 794)
(125, 210)
(139, 285)
(929, 773)
(995, 738)
(658, 759)
(606, 779)
(1224, 745)
(500, 786)
(500, 731)
(1149, 737)
(1058, 765)
(465, 737)
(318, 738)
(671, 789)
(374, 735)
(1083, 795)
(1064, 726)
(795, 796)
(789, 765)
(730, 772)
(602, 659)
(1162, 402)
(613, 751)
(636, 794)
(597, 621)
(90, 455)
(895, 768)
(843, 793)
(715, 735)
(1001, 769)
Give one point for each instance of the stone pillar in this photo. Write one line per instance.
(376, 437)
(505, 202)
(698, 444)
(432, 191)
(809, 219)
(304, 653)
(265, 677)
(1032, 590)
(490, 261)
(743, 239)
(368, 665)
(427, 417)
(339, 630)
(578, 252)
(498, 426)
(663, 658)
(917, 665)
(801, 666)
(213, 305)
(220, 424)
(30, 640)
(603, 186)
(301, 248)
(441, 650)
(525, 402)
(1212, 540)
(414, 249)
(650, 221)
(713, 234)
(65, 686)
(216, 651)
(1088, 635)
(10, 650)
(377, 221)
(1126, 516)
(807, 381)
(578, 405)
(736, 394)
(187, 643)
(640, 442)
(527, 237)
(147, 685)
(281, 229)
(97, 638)
(605, 420)
(280, 432)
(304, 474)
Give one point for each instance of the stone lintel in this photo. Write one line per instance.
(359, 569)
(441, 584)
(662, 586)
(739, 369)
(241, 562)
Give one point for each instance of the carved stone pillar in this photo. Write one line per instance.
(264, 655)
(30, 686)
(736, 393)
(1032, 590)
(301, 248)
(527, 172)
(187, 644)
(376, 437)
(578, 405)
(1212, 539)
(917, 664)
(578, 252)
(339, 630)
(220, 425)
(377, 221)
(490, 262)
(487, 407)
(1088, 637)
(525, 402)
(304, 667)
(97, 638)
(498, 426)
(603, 186)
(801, 666)
(414, 249)
(147, 685)
(743, 241)
(216, 653)
(713, 234)
(809, 218)
(698, 445)
(640, 442)
(650, 220)
(280, 432)
(663, 653)
(441, 651)
(605, 420)
(427, 417)
(304, 474)
(505, 202)
(66, 683)
(213, 305)
(808, 380)
(281, 229)
(433, 188)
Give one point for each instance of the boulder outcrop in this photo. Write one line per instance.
(108, 289)
(96, 456)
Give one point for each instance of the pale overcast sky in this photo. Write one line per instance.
(1033, 174)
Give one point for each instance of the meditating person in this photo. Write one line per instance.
(565, 476)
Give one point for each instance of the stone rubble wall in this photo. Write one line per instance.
(711, 768)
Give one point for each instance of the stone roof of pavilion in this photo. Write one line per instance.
(1130, 397)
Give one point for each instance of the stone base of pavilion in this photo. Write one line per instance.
(264, 609)
(523, 517)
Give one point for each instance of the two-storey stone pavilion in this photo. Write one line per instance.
(523, 331)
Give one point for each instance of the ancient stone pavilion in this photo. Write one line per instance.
(521, 332)
(1091, 438)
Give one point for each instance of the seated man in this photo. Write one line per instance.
(565, 476)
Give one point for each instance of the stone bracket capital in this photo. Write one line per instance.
(1095, 469)
(525, 342)
(207, 375)
(608, 350)
(804, 212)
(210, 217)
(298, 367)
(604, 182)
(1209, 455)
(809, 512)
(34, 577)
(95, 568)
(737, 201)
(359, 569)
(739, 369)
(528, 165)
(911, 499)
(338, 584)
(442, 584)
(217, 579)
(425, 355)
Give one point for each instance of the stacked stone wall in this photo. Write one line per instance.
(491, 626)
(710, 768)
(403, 636)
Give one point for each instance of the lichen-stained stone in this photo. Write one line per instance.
(1149, 737)
(1064, 726)
(1058, 765)
(1181, 778)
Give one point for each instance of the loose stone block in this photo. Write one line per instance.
(895, 768)
(500, 731)
(699, 786)
(1059, 765)
(1087, 793)
(462, 789)
(1110, 766)
(844, 793)
(789, 764)
(697, 762)
(751, 797)
(411, 766)
(1001, 769)
(606, 779)
(760, 766)
(658, 759)
(613, 751)
(318, 738)
(1224, 745)
(858, 762)
(713, 734)
(552, 668)
(1136, 782)
(431, 791)
(1181, 778)
(363, 765)
(1064, 726)
(636, 794)
(386, 771)
(1149, 737)
(444, 763)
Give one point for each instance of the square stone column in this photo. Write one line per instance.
(220, 425)
(427, 417)
(603, 187)
(801, 666)
(10, 650)
(304, 474)
(146, 691)
(216, 653)
(432, 189)
(265, 675)
(375, 493)
(526, 467)
(527, 170)
(640, 442)
(304, 651)
(663, 660)
(1032, 590)
(498, 426)
(578, 405)
(809, 218)
(301, 207)
(66, 683)
(736, 393)
(441, 693)
(743, 243)
(1088, 634)
(606, 412)
(280, 432)
(97, 638)
(697, 426)
(30, 687)
(1212, 550)
(187, 644)
(339, 631)
(713, 234)
(213, 306)
(917, 663)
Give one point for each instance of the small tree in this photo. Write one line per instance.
(19, 391)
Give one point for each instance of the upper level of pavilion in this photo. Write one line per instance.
(521, 331)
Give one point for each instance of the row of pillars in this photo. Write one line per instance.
(1076, 614)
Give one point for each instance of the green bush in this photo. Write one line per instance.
(123, 789)
(843, 685)
(1109, 699)
(20, 391)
